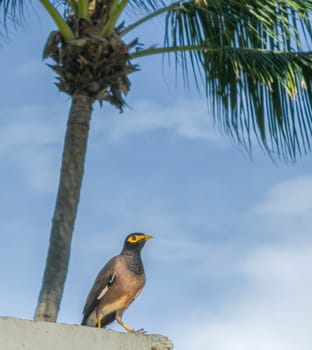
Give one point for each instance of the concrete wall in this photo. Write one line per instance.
(16, 334)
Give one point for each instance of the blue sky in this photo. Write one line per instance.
(229, 267)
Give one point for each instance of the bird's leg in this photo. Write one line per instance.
(99, 323)
(125, 326)
(118, 319)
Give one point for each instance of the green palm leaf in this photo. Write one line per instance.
(11, 6)
(250, 56)
(254, 58)
(263, 92)
(11, 10)
(146, 5)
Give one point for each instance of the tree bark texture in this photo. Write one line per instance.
(72, 168)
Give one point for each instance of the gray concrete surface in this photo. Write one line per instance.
(16, 334)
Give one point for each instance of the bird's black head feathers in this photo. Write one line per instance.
(134, 243)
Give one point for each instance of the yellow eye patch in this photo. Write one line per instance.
(135, 238)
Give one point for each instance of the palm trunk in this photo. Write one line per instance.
(65, 209)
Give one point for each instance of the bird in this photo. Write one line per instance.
(116, 286)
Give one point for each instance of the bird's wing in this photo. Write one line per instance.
(103, 282)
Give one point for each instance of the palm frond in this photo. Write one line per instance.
(12, 11)
(250, 56)
(262, 93)
(146, 5)
(11, 7)
(263, 24)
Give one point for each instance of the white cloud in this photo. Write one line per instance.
(272, 308)
(290, 197)
(30, 134)
(29, 126)
(273, 312)
(286, 210)
(188, 118)
(31, 140)
(30, 69)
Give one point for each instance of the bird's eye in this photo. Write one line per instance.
(133, 239)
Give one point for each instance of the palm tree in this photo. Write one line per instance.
(251, 57)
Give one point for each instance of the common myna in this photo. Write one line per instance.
(117, 285)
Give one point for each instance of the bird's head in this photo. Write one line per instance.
(135, 241)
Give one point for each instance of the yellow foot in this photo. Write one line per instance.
(99, 324)
(127, 328)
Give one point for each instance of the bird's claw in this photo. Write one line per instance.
(141, 331)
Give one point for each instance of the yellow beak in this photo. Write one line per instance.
(147, 237)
